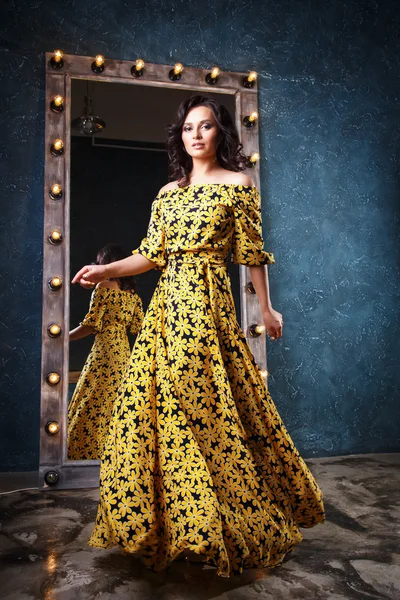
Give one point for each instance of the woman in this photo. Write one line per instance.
(197, 457)
(114, 307)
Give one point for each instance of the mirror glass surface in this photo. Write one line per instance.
(115, 175)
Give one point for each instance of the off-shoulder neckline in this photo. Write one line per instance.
(197, 185)
(115, 290)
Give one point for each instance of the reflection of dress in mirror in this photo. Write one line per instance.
(197, 458)
(115, 307)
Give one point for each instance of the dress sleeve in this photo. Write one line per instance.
(247, 242)
(152, 246)
(137, 317)
(97, 308)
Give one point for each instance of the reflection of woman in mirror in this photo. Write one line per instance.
(198, 458)
(115, 307)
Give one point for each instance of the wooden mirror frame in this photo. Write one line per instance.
(55, 470)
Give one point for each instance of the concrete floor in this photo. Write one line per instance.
(355, 555)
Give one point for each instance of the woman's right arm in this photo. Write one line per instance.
(133, 265)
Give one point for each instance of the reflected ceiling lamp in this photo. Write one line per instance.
(88, 123)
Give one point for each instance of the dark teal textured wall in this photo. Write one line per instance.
(328, 79)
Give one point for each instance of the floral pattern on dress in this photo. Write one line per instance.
(111, 313)
(197, 456)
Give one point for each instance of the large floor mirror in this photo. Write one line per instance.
(105, 162)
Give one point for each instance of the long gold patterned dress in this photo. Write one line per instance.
(111, 313)
(197, 456)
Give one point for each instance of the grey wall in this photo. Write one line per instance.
(329, 141)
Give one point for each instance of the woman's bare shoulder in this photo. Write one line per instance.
(111, 285)
(239, 178)
(169, 186)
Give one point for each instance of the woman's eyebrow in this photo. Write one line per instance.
(203, 121)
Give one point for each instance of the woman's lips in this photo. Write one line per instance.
(198, 146)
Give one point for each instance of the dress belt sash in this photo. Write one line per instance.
(212, 257)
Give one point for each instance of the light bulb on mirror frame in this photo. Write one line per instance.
(212, 78)
(55, 284)
(250, 80)
(52, 427)
(54, 330)
(51, 477)
(98, 64)
(55, 237)
(253, 159)
(256, 329)
(57, 147)
(55, 192)
(56, 60)
(176, 73)
(137, 69)
(251, 120)
(264, 373)
(53, 378)
(57, 104)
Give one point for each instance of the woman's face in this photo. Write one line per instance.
(200, 133)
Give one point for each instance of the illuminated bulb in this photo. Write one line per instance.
(176, 72)
(57, 59)
(256, 329)
(55, 283)
(98, 64)
(212, 77)
(57, 104)
(55, 191)
(53, 378)
(253, 159)
(54, 330)
(138, 68)
(250, 80)
(52, 427)
(55, 237)
(57, 147)
(250, 120)
(264, 373)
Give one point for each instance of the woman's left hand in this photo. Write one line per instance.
(273, 322)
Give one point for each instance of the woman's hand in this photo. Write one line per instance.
(89, 275)
(273, 322)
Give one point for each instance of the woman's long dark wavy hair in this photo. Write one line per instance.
(109, 254)
(230, 155)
